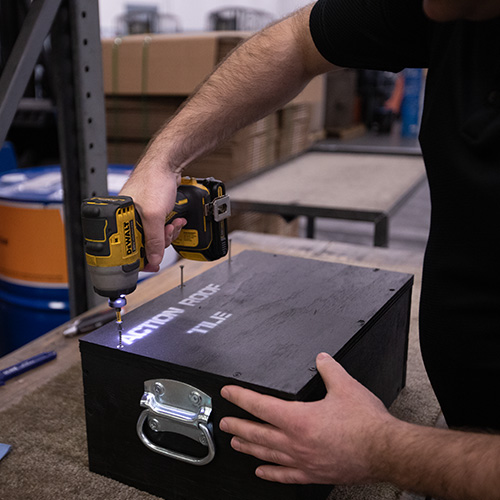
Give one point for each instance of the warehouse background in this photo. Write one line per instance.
(192, 15)
(147, 76)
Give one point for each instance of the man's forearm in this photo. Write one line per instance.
(442, 463)
(260, 76)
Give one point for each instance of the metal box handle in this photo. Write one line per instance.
(173, 406)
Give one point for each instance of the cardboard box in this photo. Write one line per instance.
(163, 64)
(238, 159)
(314, 95)
(250, 150)
(138, 118)
(146, 78)
(175, 64)
(302, 120)
(153, 403)
(231, 162)
(295, 127)
(263, 223)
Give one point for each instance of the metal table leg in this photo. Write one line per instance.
(381, 235)
(310, 230)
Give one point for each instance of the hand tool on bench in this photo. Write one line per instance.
(24, 366)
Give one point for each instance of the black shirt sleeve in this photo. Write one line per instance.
(372, 34)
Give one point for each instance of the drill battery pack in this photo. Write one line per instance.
(205, 206)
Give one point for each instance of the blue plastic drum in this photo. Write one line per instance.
(33, 265)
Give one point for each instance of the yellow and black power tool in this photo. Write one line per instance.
(114, 237)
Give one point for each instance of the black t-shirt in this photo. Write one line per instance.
(460, 140)
(386, 35)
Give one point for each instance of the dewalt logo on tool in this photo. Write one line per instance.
(128, 231)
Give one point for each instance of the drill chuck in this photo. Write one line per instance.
(117, 303)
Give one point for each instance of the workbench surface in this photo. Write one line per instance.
(67, 348)
(415, 403)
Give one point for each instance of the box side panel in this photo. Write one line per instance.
(377, 357)
(378, 360)
(113, 388)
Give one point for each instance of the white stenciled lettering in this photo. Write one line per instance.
(166, 316)
(150, 325)
(144, 329)
(205, 326)
(201, 295)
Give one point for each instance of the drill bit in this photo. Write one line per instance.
(119, 324)
(117, 305)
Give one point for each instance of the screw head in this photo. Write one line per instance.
(195, 398)
(154, 424)
(159, 389)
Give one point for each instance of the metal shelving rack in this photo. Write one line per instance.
(73, 26)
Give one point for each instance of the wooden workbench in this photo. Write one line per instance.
(361, 187)
(21, 425)
(67, 348)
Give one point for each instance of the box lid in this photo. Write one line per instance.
(259, 318)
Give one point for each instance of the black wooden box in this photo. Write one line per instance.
(258, 320)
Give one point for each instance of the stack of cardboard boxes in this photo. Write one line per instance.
(132, 121)
(147, 78)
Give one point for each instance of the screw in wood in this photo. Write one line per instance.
(182, 275)
(120, 331)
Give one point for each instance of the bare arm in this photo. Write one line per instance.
(349, 437)
(443, 463)
(264, 73)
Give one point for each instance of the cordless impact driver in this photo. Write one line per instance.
(114, 236)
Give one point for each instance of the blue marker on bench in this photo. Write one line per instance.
(24, 366)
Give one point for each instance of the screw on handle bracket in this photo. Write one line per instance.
(173, 406)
